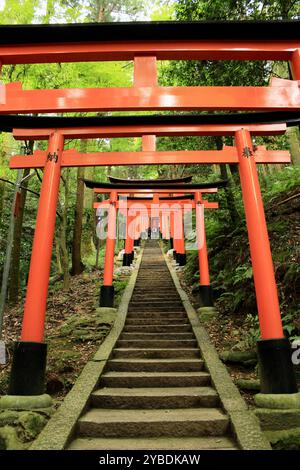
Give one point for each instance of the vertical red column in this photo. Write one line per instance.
(128, 258)
(276, 367)
(180, 245)
(295, 64)
(29, 361)
(107, 289)
(137, 230)
(206, 297)
(171, 218)
(132, 236)
(167, 225)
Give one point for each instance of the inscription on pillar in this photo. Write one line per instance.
(52, 157)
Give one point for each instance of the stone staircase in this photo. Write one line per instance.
(155, 392)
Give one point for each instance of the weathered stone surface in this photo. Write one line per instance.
(14, 402)
(278, 401)
(124, 271)
(89, 327)
(206, 314)
(288, 439)
(275, 420)
(153, 423)
(247, 358)
(9, 417)
(9, 439)
(248, 384)
(32, 424)
(106, 310)
(155, 443)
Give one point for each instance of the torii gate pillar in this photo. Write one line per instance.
(107, 289)
(128, 254)
(180, 251)
(137, 231)
(29, 358)
(205, 290)
(274, 351)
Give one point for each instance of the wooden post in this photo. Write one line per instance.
(206, 296)
(29, 359)
(107, 289)
(276, 368)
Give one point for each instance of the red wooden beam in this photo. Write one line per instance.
(138, 191)
(146, 205)
(72, 158)
(273, 98)
(163, 50)
(160, 130)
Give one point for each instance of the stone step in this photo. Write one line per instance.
(155, 308)
(154, 379)
(148, 303)
(155, 315)
(161, 289)
(155, 365)
(158, 328)
(156, 353)
(154, 398)
(151, 298)
(156, 336)
(158, 292)
(193, 422)
(154, 443)
(144, 320)
(158, 343)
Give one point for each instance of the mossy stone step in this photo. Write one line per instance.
(155, 365)
(154, 443)
(153, 423)
(154, 398)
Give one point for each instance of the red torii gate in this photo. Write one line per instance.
(259, 244)
(30, 355)
(159, 205)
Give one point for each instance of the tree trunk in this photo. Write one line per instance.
(9, 246)
(63, 238)
(58, 260)
(234, 215)
(2, 193)
(14, 285)
(294, 144)
(88, 244)
(77, 264)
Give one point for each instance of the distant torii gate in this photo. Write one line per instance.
(161, 206)
(145, 44)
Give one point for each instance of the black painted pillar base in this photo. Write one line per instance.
(127, 257)
(181, 259)
(107, 294)
(206, 296)
(276, 369)
(171, 243)
(174, 254)
(28, 370)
